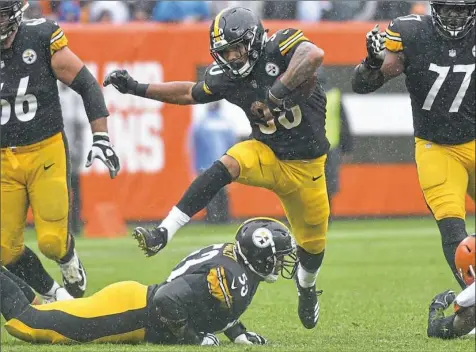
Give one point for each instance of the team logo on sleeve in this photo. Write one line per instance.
(29, 56)
(272, 69)
(262, 237)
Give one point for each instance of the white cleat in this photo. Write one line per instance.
(74, 276)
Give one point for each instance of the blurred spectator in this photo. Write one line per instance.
(118, 11)
(312, 11)
(279, 10)
(180, 11)
(211, 136)
(255, 6)
(387, 10)
(69, 11)
(351, 10)
(75, 122)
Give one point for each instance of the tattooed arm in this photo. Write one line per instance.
(305, 61)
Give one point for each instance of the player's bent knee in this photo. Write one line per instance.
(231, 165)
(53, 246)
(10, 255)
(313, 246)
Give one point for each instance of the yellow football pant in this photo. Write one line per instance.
(36, 175)
(299, 184)
(446, 174)
(116, 314)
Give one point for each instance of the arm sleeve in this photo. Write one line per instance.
(212, 87)
(202, 93)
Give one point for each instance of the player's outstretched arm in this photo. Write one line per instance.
(380, 65)
(179, 93)
(70, 70)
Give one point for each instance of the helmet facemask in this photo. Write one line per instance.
(277, 263)
(11, 15)
(243, 50)
(454, 20)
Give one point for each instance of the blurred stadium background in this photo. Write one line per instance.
(384, 262)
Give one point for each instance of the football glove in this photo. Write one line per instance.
(443, 300)
(375, 48)
(250, 338)
(122, 81)
(102, 149)
(210, 340)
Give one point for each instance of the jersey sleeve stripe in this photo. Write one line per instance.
(283, 43)
(392, 33)
(56, 36)
(206, 89)
(218, 286)
(293, 44)
(393, 45)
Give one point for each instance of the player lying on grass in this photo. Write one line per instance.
(206, 293)
(463, 320)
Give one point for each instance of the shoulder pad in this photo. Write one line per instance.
(400, 31)
(284, 40)
(216, 81)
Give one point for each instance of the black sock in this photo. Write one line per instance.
(69, 254)
(12, 300)
(204, 188)
(29, 269)
(453, 231)
(310, 262)
(27, 291)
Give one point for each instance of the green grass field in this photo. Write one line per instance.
(378, 279)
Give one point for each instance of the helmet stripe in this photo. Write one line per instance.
(216, 27)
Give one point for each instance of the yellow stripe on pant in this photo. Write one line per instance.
(116, 314)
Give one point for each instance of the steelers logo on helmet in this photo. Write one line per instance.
(262, 237)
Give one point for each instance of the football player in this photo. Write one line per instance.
(463, 320)
(206, 293)
(274, 81)
(34, 152)
(437, 54)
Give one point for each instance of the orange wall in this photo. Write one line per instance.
(366, 189)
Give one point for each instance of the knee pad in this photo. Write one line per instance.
(10, 255)
(53, 246)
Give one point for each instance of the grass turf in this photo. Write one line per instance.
(378, 278)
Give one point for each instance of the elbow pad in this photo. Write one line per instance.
(86, 85)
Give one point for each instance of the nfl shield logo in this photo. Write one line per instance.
(452, 53)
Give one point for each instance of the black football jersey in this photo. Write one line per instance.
(296, 134)
(30, 106)
(440, 77)
(222, 288)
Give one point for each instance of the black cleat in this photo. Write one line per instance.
(150, 241)
(308, 308)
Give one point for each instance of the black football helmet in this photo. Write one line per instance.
(454, 18)
(267, 248)
(11, 15)
(231, 28)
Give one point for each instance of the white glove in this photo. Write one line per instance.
(250, 338)
(210, 340)
(375, 47)
(102, 149)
